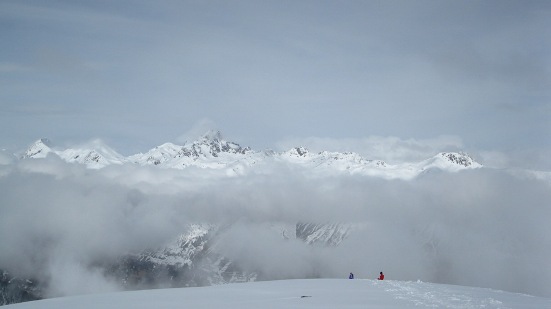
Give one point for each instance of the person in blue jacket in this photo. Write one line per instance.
(351, 276)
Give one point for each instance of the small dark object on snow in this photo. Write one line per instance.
(305, 296)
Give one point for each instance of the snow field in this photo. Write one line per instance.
(303, 293)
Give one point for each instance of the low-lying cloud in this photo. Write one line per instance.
(481, 227)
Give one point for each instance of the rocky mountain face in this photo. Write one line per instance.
(329, 234)
(208, 151)
(16, 290)
(188, 261)
(39, 149)
(461, 159)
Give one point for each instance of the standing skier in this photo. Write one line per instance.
(382, 276)
(351, 276)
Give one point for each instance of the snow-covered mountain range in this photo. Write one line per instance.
(211, 151)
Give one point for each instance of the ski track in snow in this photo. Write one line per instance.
(421, 295)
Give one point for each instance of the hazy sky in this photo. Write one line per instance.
(473, 74)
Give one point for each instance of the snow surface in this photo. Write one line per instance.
(303, 293)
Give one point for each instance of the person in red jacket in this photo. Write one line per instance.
(382, 276)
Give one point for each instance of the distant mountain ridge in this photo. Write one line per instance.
(212, 151)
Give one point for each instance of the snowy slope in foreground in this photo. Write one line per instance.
(318, 293)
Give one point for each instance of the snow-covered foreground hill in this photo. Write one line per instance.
(313, 293)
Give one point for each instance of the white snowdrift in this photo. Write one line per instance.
(315, 293)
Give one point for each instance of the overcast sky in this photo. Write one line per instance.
(471, 75)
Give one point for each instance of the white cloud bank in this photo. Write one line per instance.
(479, 227)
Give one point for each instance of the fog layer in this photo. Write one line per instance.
(484, 227)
